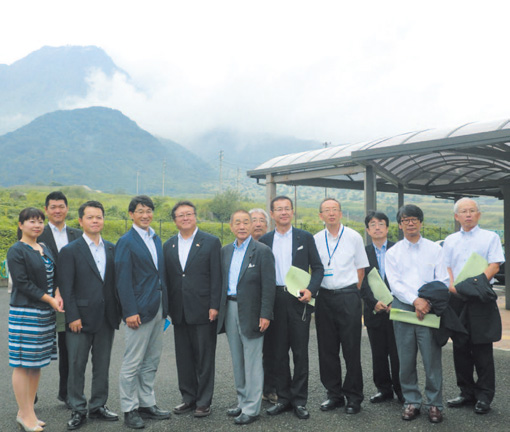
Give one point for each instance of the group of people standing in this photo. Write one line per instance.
(241, 289)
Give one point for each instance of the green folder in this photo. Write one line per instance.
(430, 320)
(475, 265)
(297, 280)
(378, 287)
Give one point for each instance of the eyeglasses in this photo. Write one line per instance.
(407, 221)
(143, 212)
(333, 210)
(282, 209)
(258, 220)
(376, 224)
(184, 215)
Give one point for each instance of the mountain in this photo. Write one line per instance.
(42, 81)
(101, 148)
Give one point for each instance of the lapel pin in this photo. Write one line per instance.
(198, 244)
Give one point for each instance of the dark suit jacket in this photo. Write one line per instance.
(140, 284)
(28, 274)
(255, 289)
(47, 238)
(304, 255)
(370, 319)
(194, 290)
(86, 296)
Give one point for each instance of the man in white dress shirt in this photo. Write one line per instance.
(338, 309)
(410, 264)
(484, 321)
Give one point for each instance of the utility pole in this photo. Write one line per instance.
(221, 169)
(163, 185)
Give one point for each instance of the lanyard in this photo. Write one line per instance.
(327, 245)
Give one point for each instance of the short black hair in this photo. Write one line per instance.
(29, 213)
(410, 210)
(96, 204)
(140, 199)
(181, 204)
(55, 196)
(281, 197)
(373, 214)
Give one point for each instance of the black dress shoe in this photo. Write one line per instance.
(234, 412)
(301, 412)
(352, 408)
(133, 420)
(482, 407)
(244, 419)
(184, 408)
(153, 413)
(278, 408)
(202, 411)
(77, 419)
(460, 401)
(331, 404)
(381, 397)
(103, 413)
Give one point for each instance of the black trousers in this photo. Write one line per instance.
(385, 364)
(195, 352)
(291, 331)
(338, 322)
(63, 365)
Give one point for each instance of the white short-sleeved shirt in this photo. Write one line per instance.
(343, 263)
(409, 266)
(459, 246)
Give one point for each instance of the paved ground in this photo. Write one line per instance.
(382, 417)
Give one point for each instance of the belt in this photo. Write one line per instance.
(347, 290)
(232, 297)
(282, 287)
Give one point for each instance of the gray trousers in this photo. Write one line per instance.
(79, 345)
(247, 362)
(410, 338)
(140, 364)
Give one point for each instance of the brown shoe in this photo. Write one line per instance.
(184, 408)
(202, 411)
(435, 415)
(270, 397)
(410, 413)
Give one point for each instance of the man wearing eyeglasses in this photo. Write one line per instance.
(193, 271)
(338, 314)
(385, 363)
(291, 326)
(483, 318)
(413, 262)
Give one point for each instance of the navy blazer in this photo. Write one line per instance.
(140, 285)
(197, 288)
(255, 287)
(86, 296)
(28, 274)
(304, 255)
(369, 318)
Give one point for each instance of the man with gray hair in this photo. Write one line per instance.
(259, 221)
(482, 319)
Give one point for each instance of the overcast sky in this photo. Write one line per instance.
(338, 71)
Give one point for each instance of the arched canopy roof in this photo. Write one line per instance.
(469, 160)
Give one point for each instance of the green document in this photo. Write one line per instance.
(297, 280)
(475, 265)
(430, 320)
(378, 287)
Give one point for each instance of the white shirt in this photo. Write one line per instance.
(343, 262)
(459, 246)
(148, 238)
(60, 237)
(98, 253)
(184, 246)
(282, 251)
(409, 266)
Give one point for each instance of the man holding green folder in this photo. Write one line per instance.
(410, 264)
(483, 320)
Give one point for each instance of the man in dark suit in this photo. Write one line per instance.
(87, 284)
(192, 262)
(246, 310)
(376, 314)
(291, 247)
(55, 236)
(140, 282)
(482, 319)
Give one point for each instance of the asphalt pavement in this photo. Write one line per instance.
(373, 417)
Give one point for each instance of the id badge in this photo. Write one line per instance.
(328, 272)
